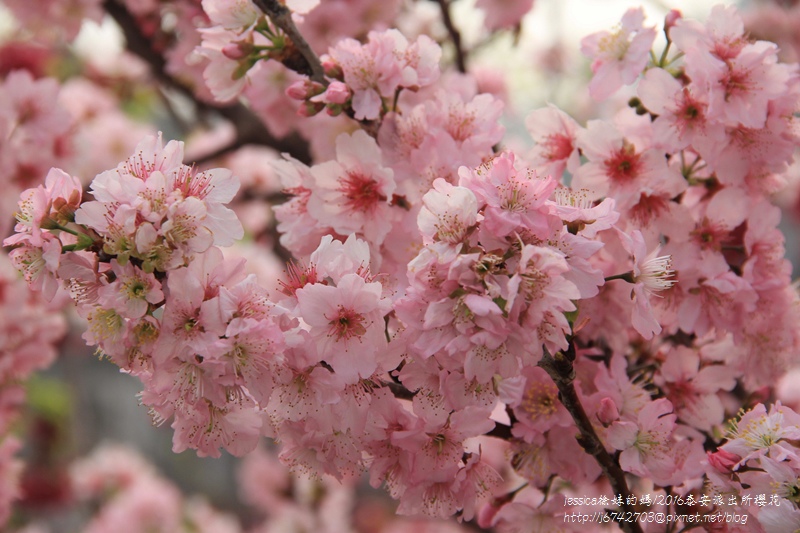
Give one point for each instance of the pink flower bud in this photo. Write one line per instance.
(332, 68)
(297, 90)
(723, 461)
(607, 413)
(309, 109)
(304, 89)
(671, 19)
(337, 93)
(237, 51)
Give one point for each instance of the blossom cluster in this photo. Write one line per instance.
(623, 281)
(366, 77)
(760, 458)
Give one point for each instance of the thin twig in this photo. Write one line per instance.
(562, 372)
(249, 128)
(281, 16)
(455, 35)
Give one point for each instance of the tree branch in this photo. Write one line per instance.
(307, 62)
(249, 128)
(455, 35)
(562, 372)
(282, 18)
(399, 391)
(500, 431)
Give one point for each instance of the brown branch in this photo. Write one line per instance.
(500, 431)
(399, 391)
(455, 35)
(560, 369)
(281, 16)
(249, 128)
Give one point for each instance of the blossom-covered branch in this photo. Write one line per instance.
(560, 369)
(249, 129)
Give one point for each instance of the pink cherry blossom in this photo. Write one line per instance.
(354, 193)
(618, 56)
(430, 268)
(539, 409)
(347, 323)
(131, 292)
(694, 390)
(651, 274)
(514, 198)
(683, 112)
(375, 70)
(448, 212)
(232, 15)
(555, 134)
(645, 443)
(759, 432)
(618, 167)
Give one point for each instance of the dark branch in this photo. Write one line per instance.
(501, 431)
(400, 392)
(455, 35)
(249, 128)
(561, 371)
(282, 18)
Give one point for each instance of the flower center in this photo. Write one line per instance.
(657, 274)
(614, 45)
(540, 401)
(136, 289)
(361, 192)
(347, 324)
(559, 147)
(624, 165)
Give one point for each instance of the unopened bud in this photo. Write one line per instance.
(332, 68)
(237, 50)
(607, 413)
(304, 89)
(337, 93)
(723, 461)
(671, 19)
(309, 109)
(296, 91)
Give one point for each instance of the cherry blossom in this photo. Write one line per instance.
(619, 56)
